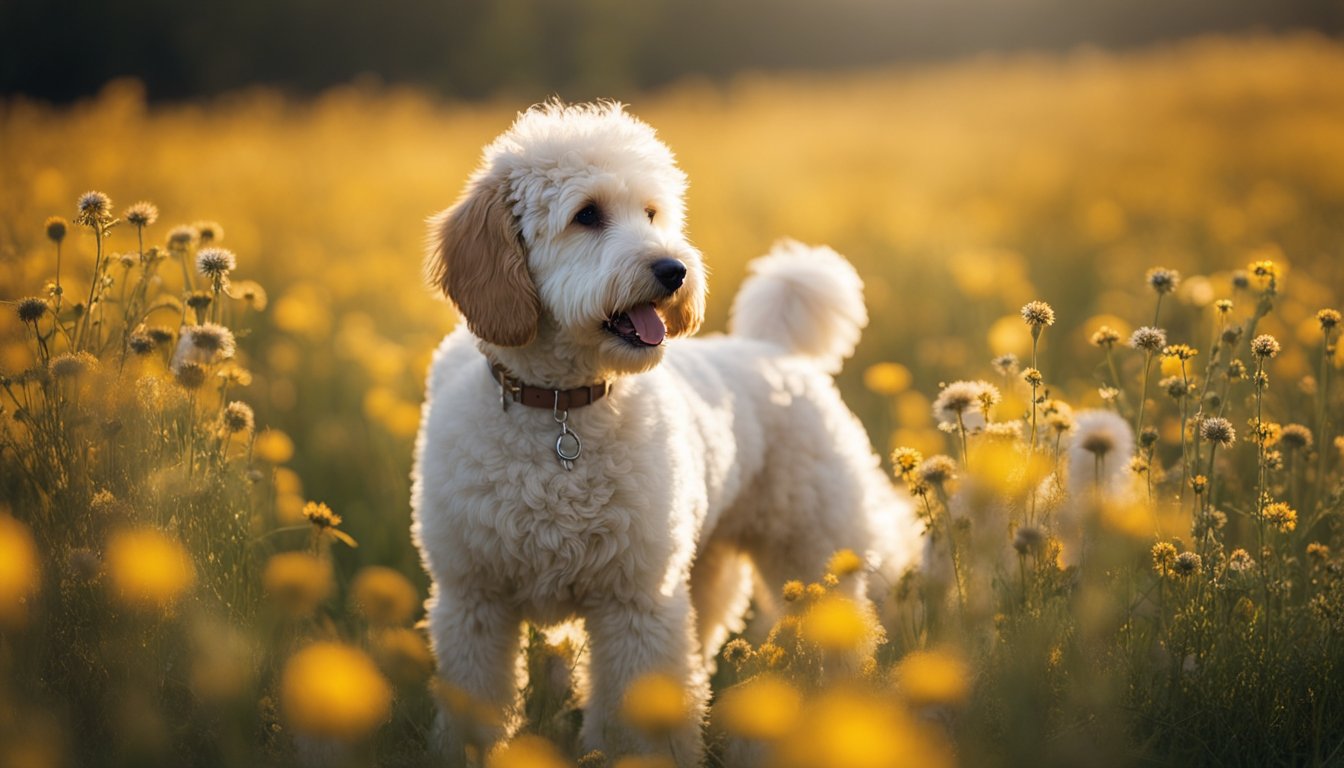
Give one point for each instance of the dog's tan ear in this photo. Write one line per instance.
(480, 263)
(684, 314)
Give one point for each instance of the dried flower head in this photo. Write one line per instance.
(959, 396)
(937, 470)
(214, 339)
(215, 263)
(93, 209)
(1318, 551)
(249, 292)
(208, 231)
(1240, 561)
(1329, 319)
(1187, 564)
(1006, 364)
(1236, 371)
(1148, 339)
(56, 229)
(1199, 484)
(1241, 280)
(1163, 280)
(1264, 345)
(1224, 306)
(180, 238)
(1033, 377)
(141, 214)
(1295, 437)
(793, 590)
(71, 365)
(238, 417)
(1164, 556)
(1218, 431)
(1037, 314)
(1105, 337)
(32, 309)
(199, 300)
(1231, 335)
(189, 375)
(1028, 540)
(140, 343)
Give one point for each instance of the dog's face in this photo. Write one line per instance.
(573, 223)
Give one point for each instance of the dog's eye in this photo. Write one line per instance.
(588, 216)
(651, 213)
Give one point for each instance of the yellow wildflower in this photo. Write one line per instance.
(383, 596)
(20, 576)
(764, 707)
(933, 678)
(655, 703)
(333, 691)
(836, 624)
(147, 568)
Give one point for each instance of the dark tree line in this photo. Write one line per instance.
(63, 49)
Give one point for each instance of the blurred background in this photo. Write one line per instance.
(967, 155)
(578, 49)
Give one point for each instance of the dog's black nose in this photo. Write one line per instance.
(670, 273)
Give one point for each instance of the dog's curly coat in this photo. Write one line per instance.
(732, 465)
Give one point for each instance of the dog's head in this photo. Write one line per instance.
(570, 233)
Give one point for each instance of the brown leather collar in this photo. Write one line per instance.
(512, 390)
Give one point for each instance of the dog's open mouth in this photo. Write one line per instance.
(638, 326)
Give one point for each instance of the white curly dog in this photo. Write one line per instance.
(579, 460)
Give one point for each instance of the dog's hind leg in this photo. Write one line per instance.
(478, 643)
(643, 635)
(721, 582)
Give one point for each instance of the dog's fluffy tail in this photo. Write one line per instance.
(807, 299)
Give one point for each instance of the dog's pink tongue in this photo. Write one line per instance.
(648, 324)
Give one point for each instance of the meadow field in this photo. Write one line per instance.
(1112, 279)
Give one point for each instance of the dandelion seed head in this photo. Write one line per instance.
(1037, 314)
(141, 214)
(1006, 364)
(1163, 280)
(93, 208)
(1218, 431)
(238, 417)
(1148, 339)
(1105, 337)
(1265, 345)
(957, 398)
(215, 262)
(249, 292)
(56, 228)
(32, 309)
(213, 338)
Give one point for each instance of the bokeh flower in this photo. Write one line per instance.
(383, 596)
(148, 569)
(335, 692)
(766, 707)
(655, 703)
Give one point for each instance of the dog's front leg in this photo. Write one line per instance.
(651, 634)
(477, 642)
